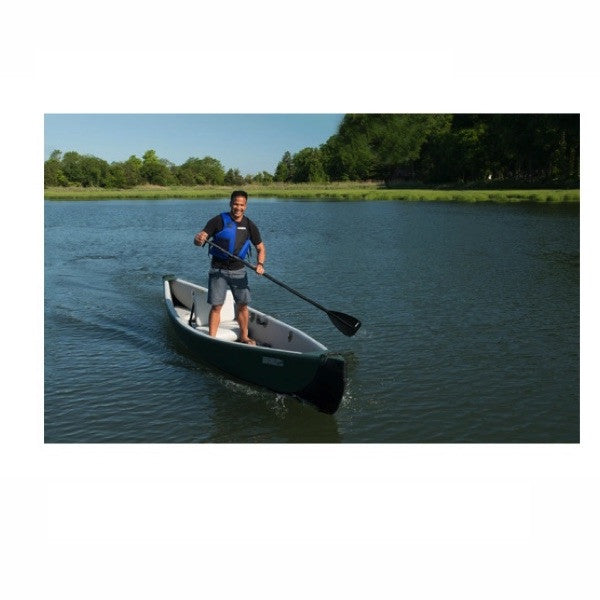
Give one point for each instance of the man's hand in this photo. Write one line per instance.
(200, 238)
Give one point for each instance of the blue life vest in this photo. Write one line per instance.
(226, 239)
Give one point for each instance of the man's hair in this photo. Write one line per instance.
(237, 193)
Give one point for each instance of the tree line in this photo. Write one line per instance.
(459, 149)
(72, 168)
(399, 149)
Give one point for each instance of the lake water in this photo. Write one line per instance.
(470, 322)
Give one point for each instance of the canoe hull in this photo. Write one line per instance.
(316, 377)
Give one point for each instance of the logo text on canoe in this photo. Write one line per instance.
(275, 362)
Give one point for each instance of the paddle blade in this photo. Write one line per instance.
(345, 323)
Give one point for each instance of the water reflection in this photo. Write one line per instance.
(241, 412)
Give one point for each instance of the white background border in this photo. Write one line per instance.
(273, 521)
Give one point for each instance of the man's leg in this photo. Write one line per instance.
(214, 318)
(238, 282)
(242, 317)
(217, 288)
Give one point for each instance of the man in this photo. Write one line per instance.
(235, 232)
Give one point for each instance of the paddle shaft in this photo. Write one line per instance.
(280, 283)
(347, 324)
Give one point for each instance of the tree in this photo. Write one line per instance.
(53, 174)
(465, 149)
(213, 171)
(132, 171)
(234, 177)
(263, 178)
(308, 166)
(398, 140)
(71, 167)
(95, 171)
(85, 170)
(456, 154)
(285, 168)
(196, 171)
(190, 172)
(348, 156)
(533, 148)
(154, 170)
(126, 174)
(383, 146)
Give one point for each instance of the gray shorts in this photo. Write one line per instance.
(221, 279)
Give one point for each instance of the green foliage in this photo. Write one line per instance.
(234, 177)
(380, 146)
(154, 170)
(132, 171)
(455, 149)
(200, 171)
(126, 174)
(462, 150)
(308, 166)
(526, 149)
(348, 155)
(263, 178)
(74, 168)
(336, 191)
(285, 169)
(53, 173)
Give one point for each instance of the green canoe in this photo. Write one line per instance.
(285, 359)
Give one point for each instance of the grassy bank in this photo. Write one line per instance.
(333, 191)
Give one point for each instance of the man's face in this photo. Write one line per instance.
(238, 207)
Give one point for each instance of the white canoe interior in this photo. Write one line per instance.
(229, 329)
(264, 329)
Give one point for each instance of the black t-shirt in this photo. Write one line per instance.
(245, 229)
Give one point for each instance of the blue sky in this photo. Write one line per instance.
(249, 142)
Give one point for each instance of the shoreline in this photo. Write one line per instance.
(331, 192)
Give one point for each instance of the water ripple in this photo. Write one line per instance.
(470, 324)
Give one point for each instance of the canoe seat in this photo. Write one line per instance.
(228, 330)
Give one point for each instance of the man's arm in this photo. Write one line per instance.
(209, 230)
(262, 256)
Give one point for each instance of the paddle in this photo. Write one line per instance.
(347, 324)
